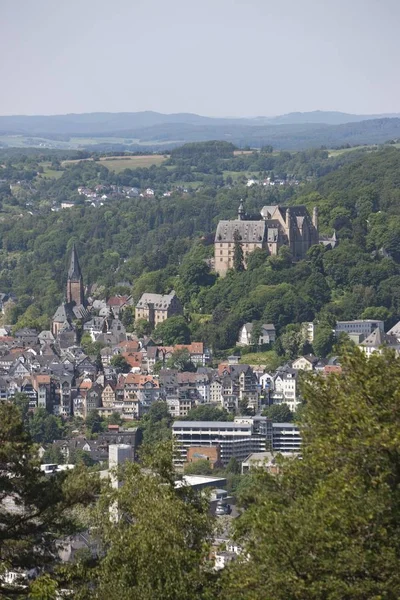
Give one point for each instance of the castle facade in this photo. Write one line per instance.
(279, 226)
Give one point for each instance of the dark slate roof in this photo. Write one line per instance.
(160, 301)
(61, 315)
(74, 271)
(25, 331)
(81, 312)
(378, 338)
(249, 231)
(46, 335)
(395, 330)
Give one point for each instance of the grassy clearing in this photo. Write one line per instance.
(119, 163)
(268, 359)
(347, 150)
(50, 173)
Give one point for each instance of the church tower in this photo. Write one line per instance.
(75, 281)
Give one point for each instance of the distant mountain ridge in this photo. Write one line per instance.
(103, 122)
(132, 131)
(327, 117)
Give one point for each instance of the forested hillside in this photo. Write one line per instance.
(159, 243)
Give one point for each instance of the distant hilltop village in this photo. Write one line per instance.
(279, 226)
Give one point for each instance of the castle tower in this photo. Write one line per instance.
(75, 280)
(315, 217)
(289, 226)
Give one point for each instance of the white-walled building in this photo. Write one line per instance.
(377, 341)
(284, 388)
(267, 334)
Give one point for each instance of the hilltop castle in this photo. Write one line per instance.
(279, 226)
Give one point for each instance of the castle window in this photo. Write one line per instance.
(220, 245)
(221, 259)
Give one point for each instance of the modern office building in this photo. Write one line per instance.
(360, 326)
(237, 438)
(285, 437)
(234, 438)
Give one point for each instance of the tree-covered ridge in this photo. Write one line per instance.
(161, 243)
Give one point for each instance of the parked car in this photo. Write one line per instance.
(222, 509)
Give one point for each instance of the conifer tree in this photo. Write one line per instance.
(35, 509)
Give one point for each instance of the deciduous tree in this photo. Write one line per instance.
(173, 331)
(328, 526)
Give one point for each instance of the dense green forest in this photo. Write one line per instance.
(160, 243)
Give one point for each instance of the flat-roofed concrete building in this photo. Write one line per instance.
(233, 439)
(360, 326)
(285, 437)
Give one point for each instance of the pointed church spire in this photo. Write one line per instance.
(74, 271)
(75, 281)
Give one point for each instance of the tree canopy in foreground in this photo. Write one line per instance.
(328, 527)
(35, 509)
(155, 538)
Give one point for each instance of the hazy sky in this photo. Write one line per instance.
(212, 57)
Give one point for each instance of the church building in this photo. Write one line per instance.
(75, 291)
(279, 226)
(75, 306)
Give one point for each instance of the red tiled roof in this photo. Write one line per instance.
(131, 345)
(332, 369)
(117, 300)
(42, 378)
(134, 359)
(222, 367)
(193, 348)
(85, 385)
(140, 380)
